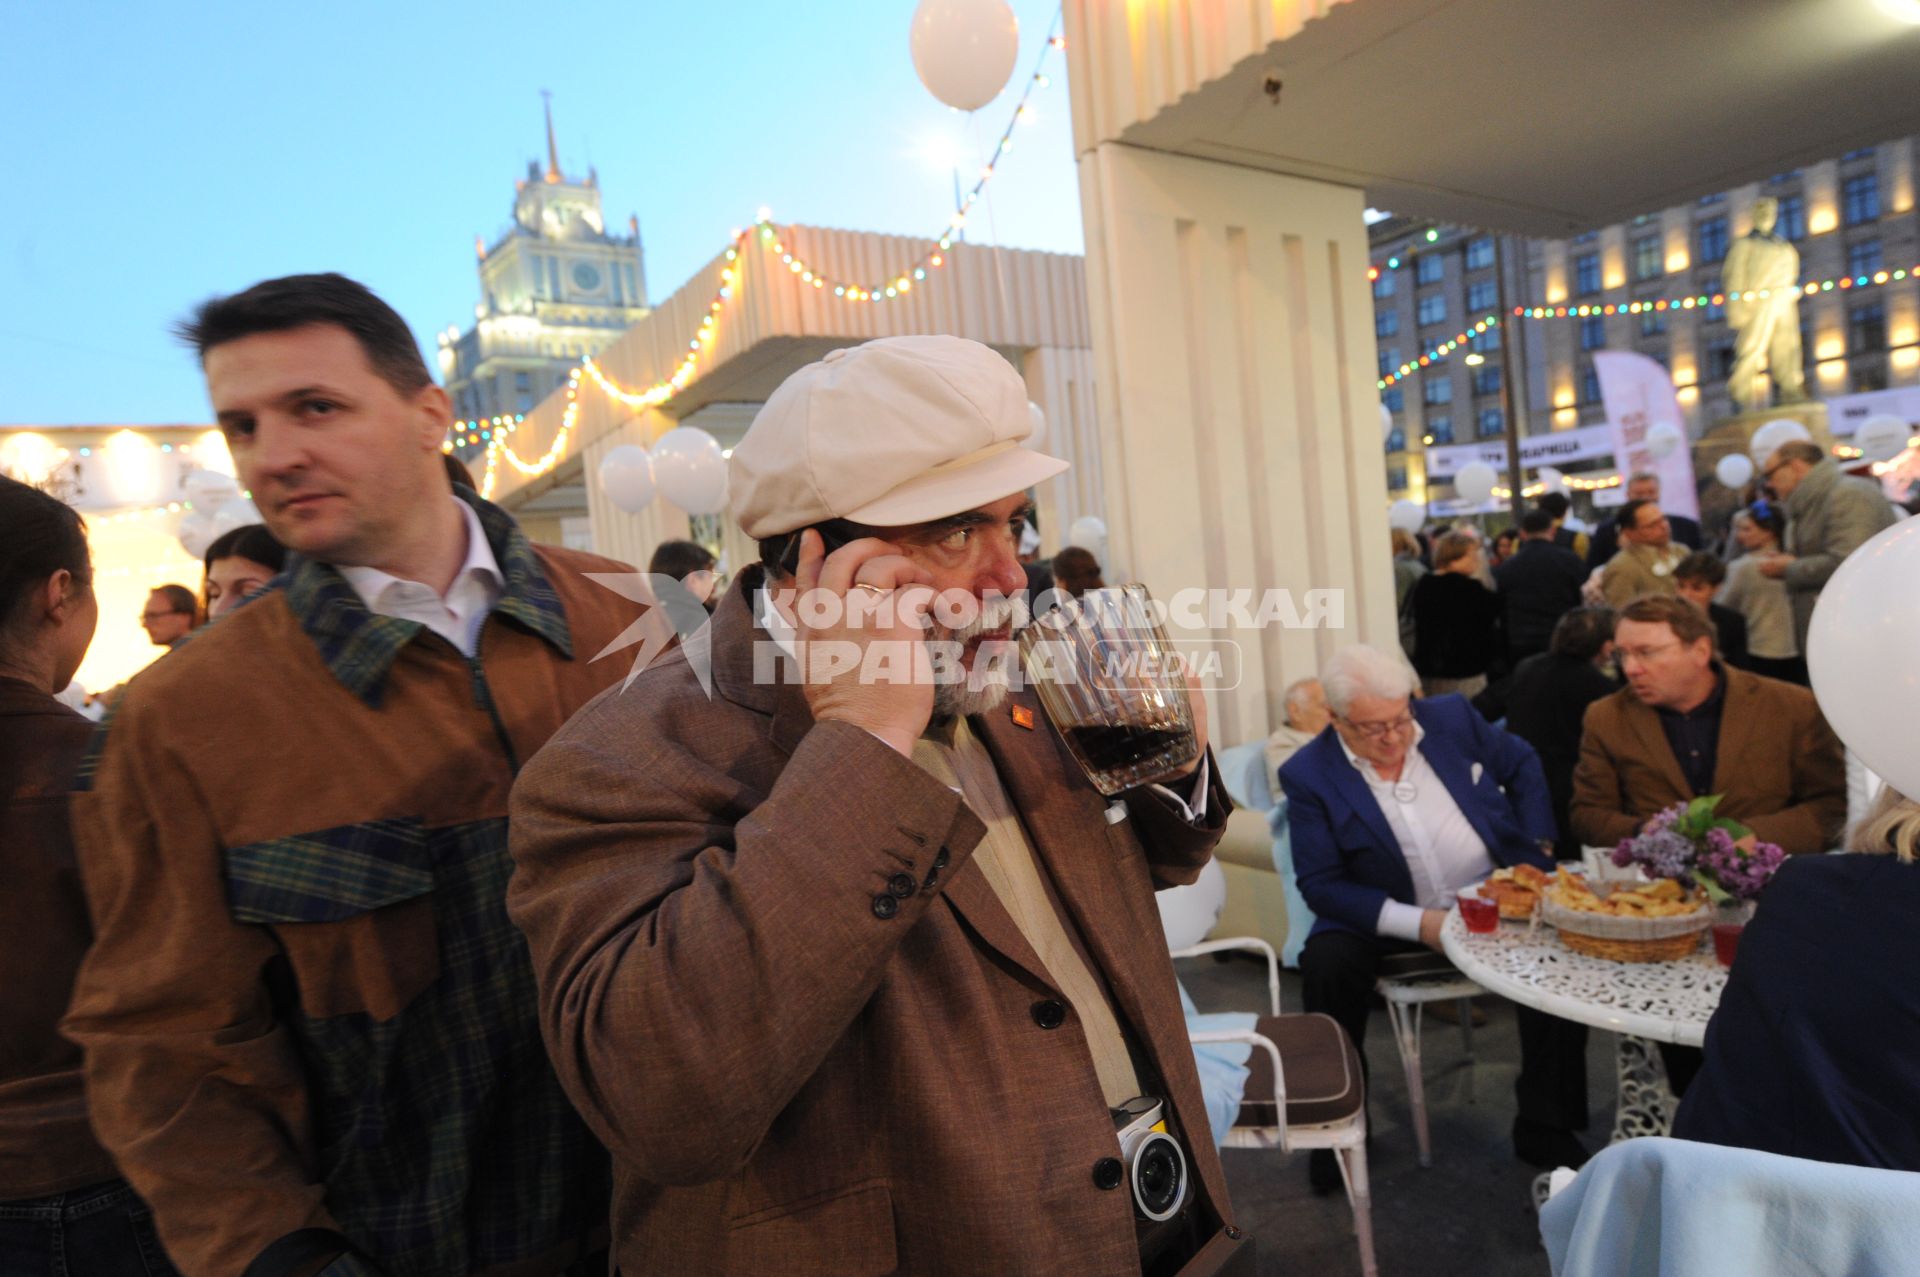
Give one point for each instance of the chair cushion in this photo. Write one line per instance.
(1322, 1068)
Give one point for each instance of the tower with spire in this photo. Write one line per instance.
(554, 285)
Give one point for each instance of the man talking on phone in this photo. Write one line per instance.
(845, 960)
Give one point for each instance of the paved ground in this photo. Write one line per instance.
(1469, 1214)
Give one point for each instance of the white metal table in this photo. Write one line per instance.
(1642, 1002)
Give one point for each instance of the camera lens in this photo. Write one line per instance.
(1159, 1177)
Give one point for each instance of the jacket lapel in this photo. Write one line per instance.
(1451, 766)
(1353, 790)
(1653, 745)
(1737, 723)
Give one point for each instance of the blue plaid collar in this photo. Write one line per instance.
(359, 646)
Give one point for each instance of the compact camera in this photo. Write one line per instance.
(1156, 1169)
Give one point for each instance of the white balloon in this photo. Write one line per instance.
(1772, 435)
(1882, 438)
(196, 533)
(1475, 481)
(964, 50)
(1089, 532)
(1860, 653)
(1553, 481)
(1037, 417)
(1664, 440)
(690, 470)
(209, 489)
(626, 476)
(237, 513)
(1734, 469)
(1407, 515)
(1386, 423)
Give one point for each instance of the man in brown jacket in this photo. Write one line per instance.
(1686, 725)
(1647, 555)
(850, 974)
(309, 1024)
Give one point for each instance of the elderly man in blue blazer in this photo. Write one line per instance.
(1396, 808)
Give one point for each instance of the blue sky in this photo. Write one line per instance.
(162, 152)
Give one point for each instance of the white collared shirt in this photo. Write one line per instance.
(785, 637)
(455, 616)
(1444, 854)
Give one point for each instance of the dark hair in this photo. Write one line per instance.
(1554, 503)
(1629, 517)
(1536, 521)
(183, 600)
(1507, 533)
(457, 472)
(1765, 515)
(296, 301)
(680, 559)
(1800, 450)
(1688, 622)
(39, 535)
(1582, 632)
(252, 542)
(1701, 565)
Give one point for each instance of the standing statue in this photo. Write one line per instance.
(1763, 263)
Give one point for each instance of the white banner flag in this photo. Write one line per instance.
(1845, 413)
(1639, 395)
(1555, 449)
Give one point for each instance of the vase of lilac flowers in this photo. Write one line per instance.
(1691, 845)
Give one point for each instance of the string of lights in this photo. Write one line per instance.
(1439, 353)
(495, 432)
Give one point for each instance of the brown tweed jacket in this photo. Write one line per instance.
(1778, 763)
(777, 988)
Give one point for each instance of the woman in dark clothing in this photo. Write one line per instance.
(1814, 1051)
(1547, 699)
(63, 1206)
(1456, 620)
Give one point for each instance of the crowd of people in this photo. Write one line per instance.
(381, 929)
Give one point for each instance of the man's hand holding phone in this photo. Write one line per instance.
(862, 614)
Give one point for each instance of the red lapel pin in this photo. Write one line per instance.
(1023, 717)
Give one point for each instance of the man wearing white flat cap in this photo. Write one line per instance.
(849, 969)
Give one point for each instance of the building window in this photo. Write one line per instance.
(1589, 385)
(1867, 328)
(1791, 225)
(1787, 176)
(1484, 295)
(1396, 479)
(1397, 440)
(1492, 422)
(1394, 398)
(1716, 310)
(1864, 153)
(1653, 323)
(1871, 375)
(1386, 323)
(1480, 253)
(1484, 342)
(1712, 234)
(1585, 237)
(1429, 268)
(1707, 200)
(1860, 199)
(1586, 274)
(1437, 390)
(523, 381)
(1863, 257)
(1389, 359)
(526, 402)
(1719, 361)
(1383, 286)
(1486, 379)
(1647, 260)
(1439, 429)
(1432, 310)
(1593, 333)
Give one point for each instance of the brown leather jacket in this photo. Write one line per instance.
(46, 1145)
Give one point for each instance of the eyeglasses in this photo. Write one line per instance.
(1376, 731)
(1643, 654)
(1772, 470)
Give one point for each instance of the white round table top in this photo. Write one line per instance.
(1662, 1001)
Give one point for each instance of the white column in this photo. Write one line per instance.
(1239, 422)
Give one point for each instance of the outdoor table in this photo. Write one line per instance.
(1642, 1002)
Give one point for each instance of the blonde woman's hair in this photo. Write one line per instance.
(1893, 825)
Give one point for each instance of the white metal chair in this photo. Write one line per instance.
(1342, 1127)
(1406, 995)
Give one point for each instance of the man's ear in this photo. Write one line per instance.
(435, 413)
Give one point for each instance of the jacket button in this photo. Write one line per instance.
(933, 876)
(1107, 1173)
(885, 907)
(902, 885)
(940, 859)
(1049, 1014)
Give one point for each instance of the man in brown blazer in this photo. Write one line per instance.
(1647, 555)
(1686, 725)
(850, 972)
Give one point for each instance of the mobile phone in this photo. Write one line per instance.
(833, 534)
